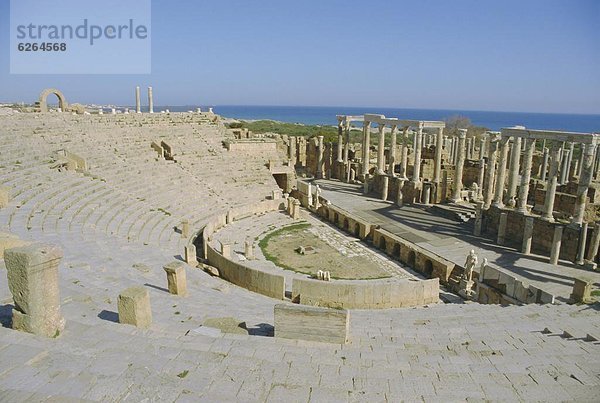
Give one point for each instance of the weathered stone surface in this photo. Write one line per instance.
(134, 307)
(176, 278)
(33, 282)
(227, 325)
(4, 196)
(190, 255)
(582, 289)
(312, 323)
(8, 241)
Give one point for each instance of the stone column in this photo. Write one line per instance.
(392, 154)
(340, 143)
(248, 250)
(138, 104)
(482, 147)
(564, 169)
(513, 172)
(399, 195)
(491, 170)
(526, 176)
(468, 153)
(150, 101)
(346, 142)
(437, 168)
(417, 162)
(478, 218)
(571, 151)
(584, 183)
(581, 156)
(404, 161)
(527, 236)
(366, 144)
(381, 150)
(544, 168)
(458, 183)
(292, 149)
(384, 187)
(582, 241)
(556, 242)
(480, 179)
(594, 243)
(32, 272)
(502, 228)
(501, 174)
(321, 146)
(552, 182)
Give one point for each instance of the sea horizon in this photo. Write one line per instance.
(326, 115)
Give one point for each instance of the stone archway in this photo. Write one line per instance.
(43, 104)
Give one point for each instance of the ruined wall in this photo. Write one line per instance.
(368, 294)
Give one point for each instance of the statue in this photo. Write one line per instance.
(318, 195)
(470, 264)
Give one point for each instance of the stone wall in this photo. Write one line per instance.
(251, 145)
(367, 294)
(254, 280)
(497, 287)
(543, 232)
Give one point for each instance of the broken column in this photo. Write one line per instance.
(296, 209)
(502, 228)
(399, 195)
(32, 272)
(556, 242)
(150, 101)
(458, 183)
(478, 218)
(134, 307)
(384, 187)
(582, 241)
(527, 236)
(176, 279)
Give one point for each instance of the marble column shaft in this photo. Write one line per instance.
(320, 159)
(437, 169)
(365, 146)
(138, 106)
(501, 175)
(381, 150)
(392, 154)
(526, 176)
(418, 146)
(150, 100)
(491, 170)
(513, 172)
(584, 183)
(552, 183)
(404, 161)
(458, 183)
(340, 143)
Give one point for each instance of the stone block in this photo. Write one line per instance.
(134, 307)
(8, 241)
(4, 196)
(582, 289)
(176, 279)
(226, 250)
(312, 323)
(185, 229)
(33, 282)
(190, 255)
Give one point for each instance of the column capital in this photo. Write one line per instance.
(462, 133)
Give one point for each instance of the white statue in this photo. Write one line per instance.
(470, 264)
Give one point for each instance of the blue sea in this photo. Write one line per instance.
(326, 115)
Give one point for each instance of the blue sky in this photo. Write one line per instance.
(526, 55)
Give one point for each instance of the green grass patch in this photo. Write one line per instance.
(263, 243)
(595, 293)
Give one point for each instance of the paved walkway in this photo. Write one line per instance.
(454, 240)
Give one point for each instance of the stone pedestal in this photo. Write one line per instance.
(502, 228)
(176, 279)
(190, 255)
(226, 248)
(185, 229)
(366, 185)
(466, 288)
(527, 236)
(134, 307)
(249, 250)
(556, 243)
(384, 187)
(296, 209)
(582, 291)
(32, 272)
